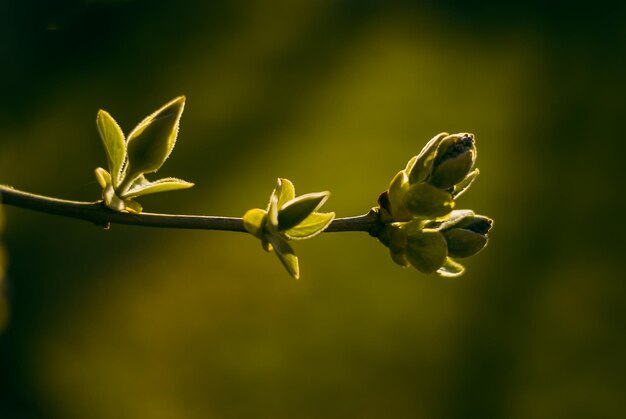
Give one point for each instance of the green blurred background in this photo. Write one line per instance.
(338, 95)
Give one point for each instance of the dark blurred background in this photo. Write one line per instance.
(338, 95)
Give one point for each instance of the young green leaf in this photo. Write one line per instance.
(103, 177)
(152, 140)
(161, 185)
(311, 226)
(285, 191)
(286, 255)
(464, 185)
(422, 166)
(451, 269)
(253, 221)
(113, 140)
(298, 209)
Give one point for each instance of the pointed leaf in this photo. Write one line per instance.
(464, 185)
(161, 185)
(425, 159)
(298, 209)
(113, 140)
(451, 269)
(286, 255)
(253, 221)
(311, 226)
(285, 191)
(152, 140)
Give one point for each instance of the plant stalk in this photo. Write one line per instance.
(99, 214)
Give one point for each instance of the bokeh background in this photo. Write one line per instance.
(338, 95)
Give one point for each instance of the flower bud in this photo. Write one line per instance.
(467, 236)
(454, 161)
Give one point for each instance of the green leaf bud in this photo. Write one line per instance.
(152, 140)
(426, 250)
(427, 201)
(455, 159)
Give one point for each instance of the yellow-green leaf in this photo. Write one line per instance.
(310, 226)
(286, 255)
(285, 191)
(152, 140)
(161, 185)
(103, 177)
(113, 140)
(298, 209)
(422, 167)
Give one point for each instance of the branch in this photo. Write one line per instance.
(99, 214)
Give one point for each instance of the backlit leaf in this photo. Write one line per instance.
(311, 226)
(113, 140)
(296, 210)
(286, 255)
(152, 140)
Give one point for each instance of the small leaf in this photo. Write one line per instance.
(425, 159)
(464, 185)
(397, 189)
(426, 250)
(451, 269)
(113, 140)
(285, 191)
(103, 177)
(161, 185)
(427, 201)
(298, 209)
(311, 226)
(286, 255)
(272, 210)
(152, 140)
(253, 221)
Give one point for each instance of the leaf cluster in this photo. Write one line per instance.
(286, 218)
(144, 151)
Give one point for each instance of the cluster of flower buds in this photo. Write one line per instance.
(421, 227)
